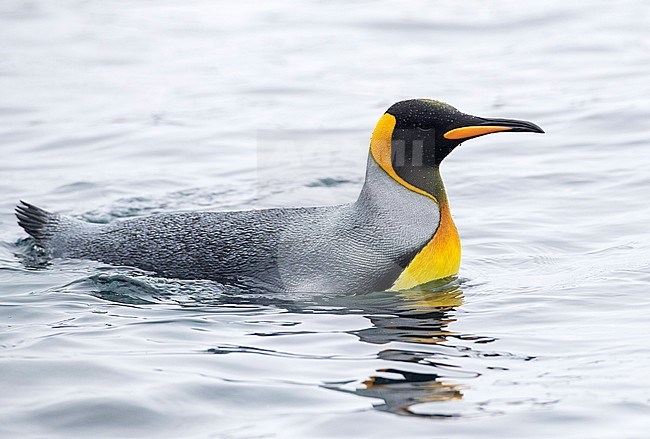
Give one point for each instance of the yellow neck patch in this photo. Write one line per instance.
(440, 257)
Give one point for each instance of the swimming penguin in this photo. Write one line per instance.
(398, 234)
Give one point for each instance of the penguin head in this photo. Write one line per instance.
(426, 131)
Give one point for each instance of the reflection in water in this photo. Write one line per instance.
(408, 389)
(413, 326)
(414, 317)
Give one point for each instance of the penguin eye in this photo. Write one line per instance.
(425, 129)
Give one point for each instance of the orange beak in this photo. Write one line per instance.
(490, 126)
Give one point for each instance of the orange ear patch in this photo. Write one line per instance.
(380, 148)
(473, 131)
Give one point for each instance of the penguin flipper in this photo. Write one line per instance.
(36, 221)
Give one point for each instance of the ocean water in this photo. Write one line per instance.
(110, 110)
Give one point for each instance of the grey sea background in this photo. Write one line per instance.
(110, 110)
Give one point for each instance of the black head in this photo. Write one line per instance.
(426, 131)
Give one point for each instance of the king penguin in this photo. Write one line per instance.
(397, 235)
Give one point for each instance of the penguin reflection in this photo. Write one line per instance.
(414, 320)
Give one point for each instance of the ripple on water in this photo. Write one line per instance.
(418, 359)
(113, 112)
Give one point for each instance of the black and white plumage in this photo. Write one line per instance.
(359, 246)
(356, 247)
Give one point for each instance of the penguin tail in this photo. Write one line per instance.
(39, 223)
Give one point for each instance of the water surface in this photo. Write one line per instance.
(114, 110)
